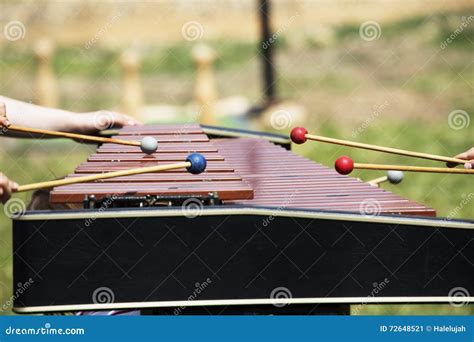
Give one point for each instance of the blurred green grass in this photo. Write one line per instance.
(443, 23)
(306, 81)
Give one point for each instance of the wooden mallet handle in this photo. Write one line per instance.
(378, 181)
(345, 165)
(90, 178)
(299, 135)
(76, 136)
(195, 163)
(412, 168)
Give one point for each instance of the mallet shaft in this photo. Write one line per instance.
(385, 149)
(90, 178)
(73, 135)
(412, 168)
(377, 181)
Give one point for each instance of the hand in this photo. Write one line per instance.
(6, 188)
(93, 122)
(468, 156)
(4, 123)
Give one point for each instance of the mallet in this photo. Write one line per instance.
(299, 135)
(345, 165)
(195, 163)
(148, 145)
(393, 177)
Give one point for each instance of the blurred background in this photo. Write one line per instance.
(392, 73)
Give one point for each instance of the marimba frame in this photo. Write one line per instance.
(336, 267)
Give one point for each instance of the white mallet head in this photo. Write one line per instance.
(149, 145)
(394, 176)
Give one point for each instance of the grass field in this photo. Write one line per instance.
(397, 90)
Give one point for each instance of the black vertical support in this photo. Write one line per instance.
(266, 47)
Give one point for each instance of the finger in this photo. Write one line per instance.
(469, 165)
(470, 153)
(4, 121)
(125, 120)
(133, 122)
(13, 186)
(465, 155)
(7, 189)
(462, 155)
(3, 109)
(459, 156)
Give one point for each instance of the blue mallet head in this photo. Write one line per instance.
(198, 163)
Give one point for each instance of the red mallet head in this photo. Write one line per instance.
(298, 135)
(344, 165)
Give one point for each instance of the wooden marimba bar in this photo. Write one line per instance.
(281, 178)
(243, 171)
(174, 144)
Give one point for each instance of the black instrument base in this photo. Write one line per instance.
(255, 310)
(234, 256)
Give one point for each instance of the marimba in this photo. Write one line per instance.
(262, 230)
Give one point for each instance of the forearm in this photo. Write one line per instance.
(30, 115)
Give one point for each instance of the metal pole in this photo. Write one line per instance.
(266, 47)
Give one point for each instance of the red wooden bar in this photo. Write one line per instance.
(175, 142)
(167, 157)
(282, 179)
(100, 167)
(248, 171)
